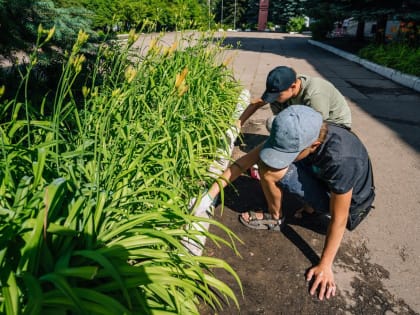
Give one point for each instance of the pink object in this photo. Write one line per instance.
(254, 172)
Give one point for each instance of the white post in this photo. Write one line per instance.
(221, 18)
(234, 18)
(209, 17)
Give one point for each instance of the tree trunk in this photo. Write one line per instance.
(380, 29)
(360, 32)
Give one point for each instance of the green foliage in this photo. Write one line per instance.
(167, 15)
(281, 12)
(320, 28)
(94, 197)
(296, 24)
(21, 18)
(401, 57)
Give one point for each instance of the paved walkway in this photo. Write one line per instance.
(385, 248)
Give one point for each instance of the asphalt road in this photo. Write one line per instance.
(377, 266)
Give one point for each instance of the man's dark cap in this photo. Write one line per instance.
(278, 80)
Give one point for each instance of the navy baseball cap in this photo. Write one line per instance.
(278, 80)
(293, 130)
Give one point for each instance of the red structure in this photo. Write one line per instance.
(262, 15)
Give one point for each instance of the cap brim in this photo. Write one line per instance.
(270, 97)
(276, 159)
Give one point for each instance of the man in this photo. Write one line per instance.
(285, 88)
(325, 165)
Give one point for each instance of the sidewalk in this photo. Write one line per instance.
(376, 268)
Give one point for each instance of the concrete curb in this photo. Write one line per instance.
(404, 79)
(217, 168)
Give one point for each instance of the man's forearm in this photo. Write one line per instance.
(251, 109)
(332, 241)
(340, 204)
(235, 170)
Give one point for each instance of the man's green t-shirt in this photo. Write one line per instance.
(322, 96)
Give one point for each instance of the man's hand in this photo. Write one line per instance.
(323, 282)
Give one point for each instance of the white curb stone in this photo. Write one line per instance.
(217, 169)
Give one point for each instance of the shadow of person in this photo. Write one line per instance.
(247, 141)
(246, 194)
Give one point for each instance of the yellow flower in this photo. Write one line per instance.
(2, 90)
(169, 51)
(172, 48)
(77, 62)
(227, 61)
(132, 37)
(82, 37)
(182, 89)
(85, 91)
(40, 29)
(116, 92)
(180, 78)
(165, 51)
(130, 74)
(95, 92)
(152, 44)
(50, 34)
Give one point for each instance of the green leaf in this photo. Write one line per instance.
(38, 166)
(53, 196)
(84, 272)
(11, 295)
(58, 229)
(61, 283)
(108, 266)
(35, 297)
(21, 195)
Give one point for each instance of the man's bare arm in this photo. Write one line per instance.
(324, 277)
(251, 109)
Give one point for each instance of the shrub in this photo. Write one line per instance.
(320, 29)
(401, 57)
(296, 24)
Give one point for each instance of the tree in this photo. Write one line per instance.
(20, 20)
(281, 12)
(233, 11)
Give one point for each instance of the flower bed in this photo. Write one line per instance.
(94, 196)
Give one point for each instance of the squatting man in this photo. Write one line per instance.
(325, 165)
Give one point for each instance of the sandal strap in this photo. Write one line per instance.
(266, 219)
